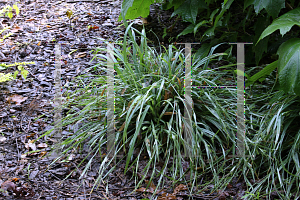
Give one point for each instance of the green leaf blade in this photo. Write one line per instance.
(289, 66)
(24, 73)
(136, 8)
(189, 10)
(187, 30)
(272, 7)
(16, 8)
(264, 72)
(284, 23)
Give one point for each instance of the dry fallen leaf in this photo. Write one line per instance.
(31, 135)
(16, 29)
(31, 145)
(17, 98)
(2, 139)
(170, 113)
(42, 153)
(75, 19)
(15, 179)
(122, 127)
(179, 188)
(144, 20)
(71, 157)
(142, 189)
(151, 184)
(42, 145)
(167, 196)
(8, 186)
(93, 27)
(80, 55)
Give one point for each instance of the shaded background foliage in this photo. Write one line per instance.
(214, 22)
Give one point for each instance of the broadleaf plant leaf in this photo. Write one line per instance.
(272, 7)
(248, 3)
(187, 30)
(198, 25)
(136, 8)
(171, 3)
(16, 8)
(189, 10)
(209, 32)
(24, 73)
(289, 66)
(284, 23)
(69, 13)
(125, 6)
(10, 14)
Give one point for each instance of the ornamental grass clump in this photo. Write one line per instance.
(273, 134)
(149, 122)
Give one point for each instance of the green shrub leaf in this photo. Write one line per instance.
(187, 30)
(136, 8)
(247, 3)
(289, 66)
(15, 74)
(9, 14)
(171, 3)
(17, 9)
(284, 23)
(198, 25)
(273, 7)
(69, 13)
(189, 10)
(5, 77)
(209, 32)
(24, 73)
